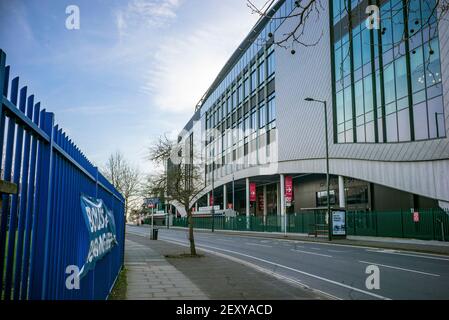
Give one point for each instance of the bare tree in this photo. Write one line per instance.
(125, 178)
(306, 12)
(181, 181)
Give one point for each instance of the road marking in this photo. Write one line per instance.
(434, 257)
(318, 249)
(291, 269)
(261, 269)
(257, 244)
(336, 251)
(314, 253)
(402, 269)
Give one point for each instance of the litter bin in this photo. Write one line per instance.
(154, 235)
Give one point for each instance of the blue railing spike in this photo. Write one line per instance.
(14, 90)
(37, 108)
(6, 81)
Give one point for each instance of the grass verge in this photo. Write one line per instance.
(119, 290)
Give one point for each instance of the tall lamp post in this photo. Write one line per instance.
(213, 197)
(327, 163)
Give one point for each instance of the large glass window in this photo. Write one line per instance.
(397, 94)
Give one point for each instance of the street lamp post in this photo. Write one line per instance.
(213, 197)
(327, 164)
(233, 187)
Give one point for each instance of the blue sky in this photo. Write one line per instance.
(133, 71)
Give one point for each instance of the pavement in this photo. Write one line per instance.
(338, 270)
(156, 270)
(150, 277)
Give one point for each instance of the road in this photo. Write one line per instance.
(336, 270)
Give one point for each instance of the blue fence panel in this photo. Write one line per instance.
(42, 228)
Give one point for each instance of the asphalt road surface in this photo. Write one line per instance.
(337, 270)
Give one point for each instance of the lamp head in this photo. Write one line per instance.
(309, 99)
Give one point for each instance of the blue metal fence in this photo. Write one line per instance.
(42, 229)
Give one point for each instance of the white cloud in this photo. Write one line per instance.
(140, 14)
(186, 63)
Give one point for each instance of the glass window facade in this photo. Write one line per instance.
(243, 113)
(388, 80)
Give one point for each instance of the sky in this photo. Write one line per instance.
(134, 70)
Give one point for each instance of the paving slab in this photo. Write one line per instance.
(150, 276)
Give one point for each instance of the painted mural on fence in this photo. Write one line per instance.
(102, 232)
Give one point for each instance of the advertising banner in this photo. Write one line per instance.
(338, 223)
(100, 224)
(252, 192)
(288, 191)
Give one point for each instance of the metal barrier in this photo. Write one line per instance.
(433, 224)
(42, 228)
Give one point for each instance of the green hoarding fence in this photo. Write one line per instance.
(433, 224)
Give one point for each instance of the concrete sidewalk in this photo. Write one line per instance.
(157, 271)
(150, 277)
(435, 247)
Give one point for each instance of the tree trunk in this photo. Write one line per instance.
(191, 238)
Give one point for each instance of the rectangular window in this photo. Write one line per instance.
(389, 88)
(417, 69)
(357, 51)
(239, 94)
(392, 128)
(404, 125)
(366, 46)
(271, 64)
(348, 104)
(253, 121)
(246, 87)
(368, 93)
(359, 106)
(321, 198)
(262, 116)
(253, 81)
(271, 110)
(340, 109)
(401, 78)
(261, 69)
(435, 115)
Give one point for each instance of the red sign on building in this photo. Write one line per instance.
(252, 192)
(288, 191)
(415, 216)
